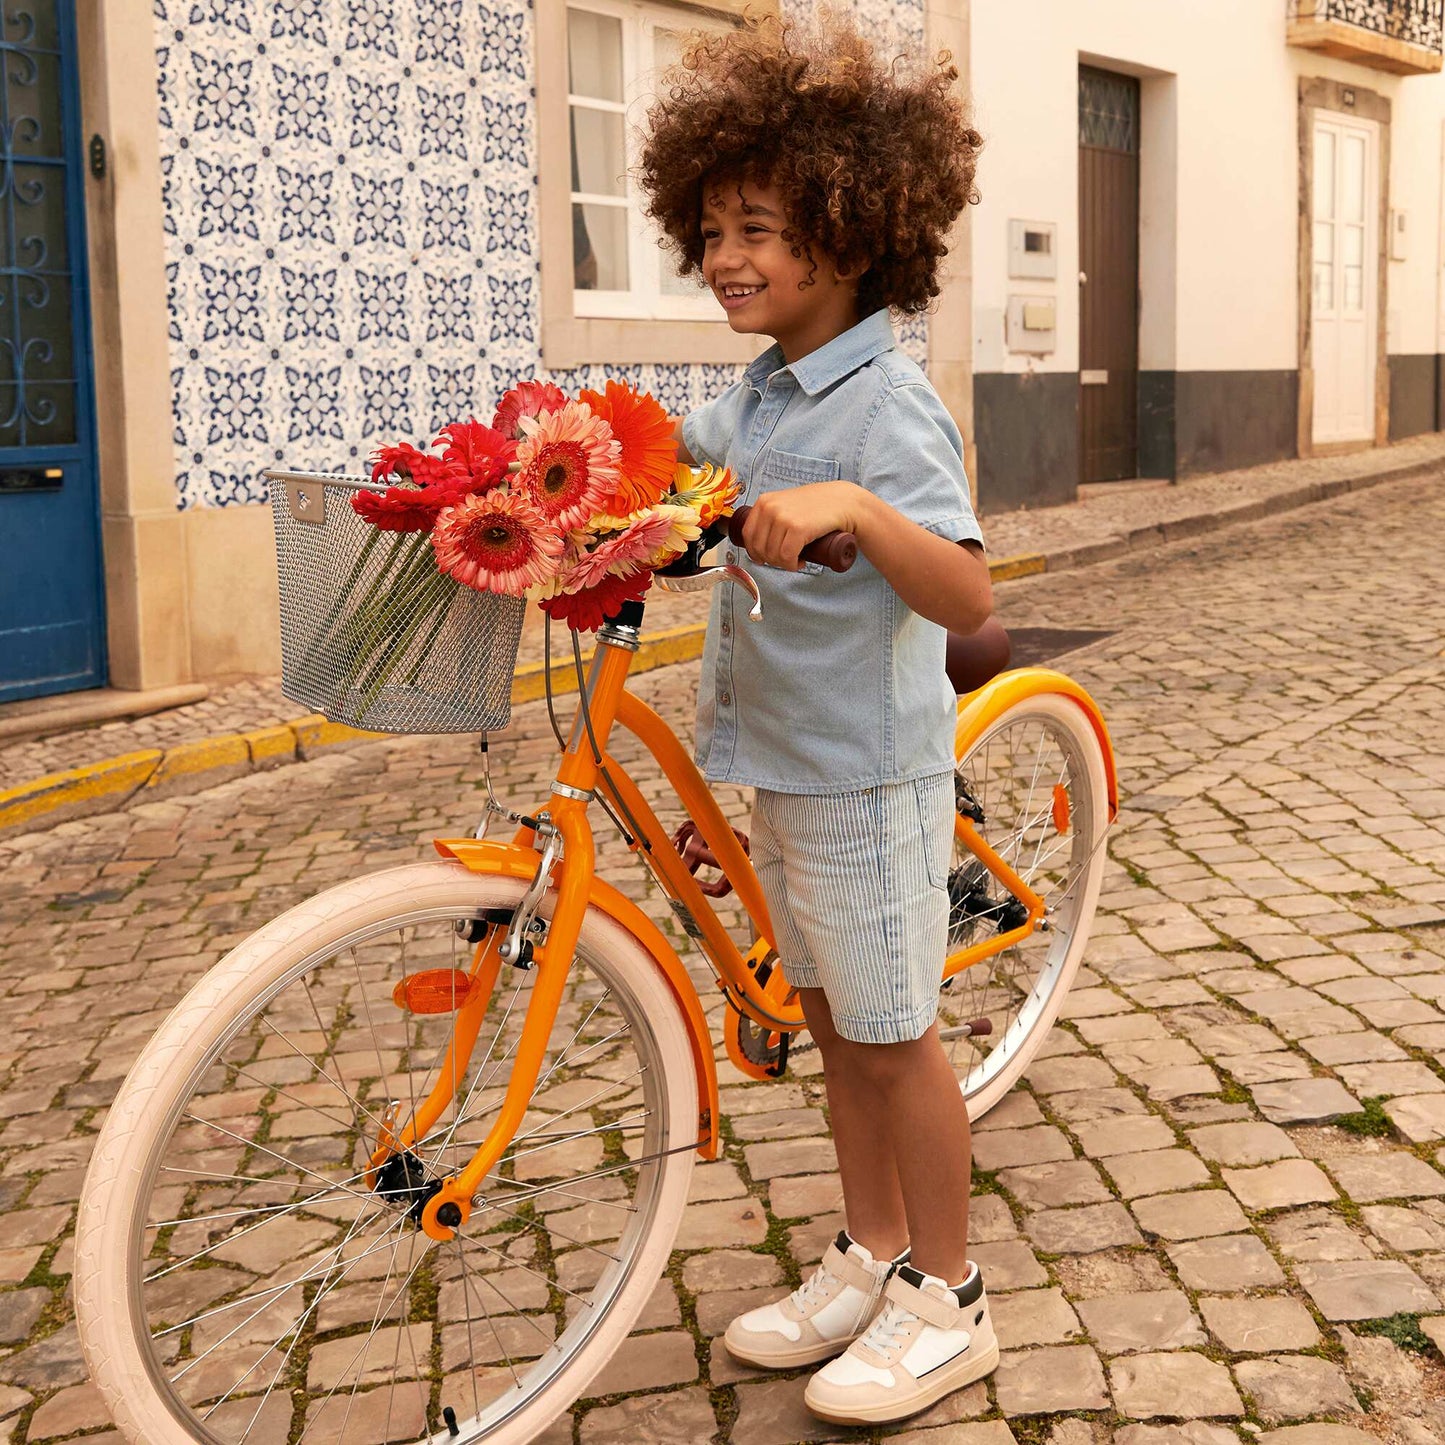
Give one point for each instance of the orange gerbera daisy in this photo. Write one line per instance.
(710, 491)
(568, 461)
(649, 450)
(496, 542)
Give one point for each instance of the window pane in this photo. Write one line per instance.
(599, 248)
(675, 285)
(1324, 267)
(599, 154)
(1352, 179)
(668, 46)
(1324, 174)
(594, 53)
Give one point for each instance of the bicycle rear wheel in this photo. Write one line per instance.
(240, 1279)
(1037, 775)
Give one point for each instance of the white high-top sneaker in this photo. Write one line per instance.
(927, 1341)
(825, 1314)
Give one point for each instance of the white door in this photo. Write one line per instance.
(1343, 310)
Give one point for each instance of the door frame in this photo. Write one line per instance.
(1353, 102)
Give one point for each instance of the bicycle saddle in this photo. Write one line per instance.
(975, 658)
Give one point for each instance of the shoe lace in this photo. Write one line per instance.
(883, 1333)
(812, 1287)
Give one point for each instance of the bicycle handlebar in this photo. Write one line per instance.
(835, 550)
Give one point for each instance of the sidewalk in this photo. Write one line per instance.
(249, 723)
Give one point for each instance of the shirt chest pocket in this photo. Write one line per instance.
(781, 470)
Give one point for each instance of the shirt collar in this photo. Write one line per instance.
(830, 363)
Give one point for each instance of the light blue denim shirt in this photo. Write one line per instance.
(841, 686)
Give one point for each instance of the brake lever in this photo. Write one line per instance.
(701, 581)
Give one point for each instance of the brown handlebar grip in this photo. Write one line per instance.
(837, 551)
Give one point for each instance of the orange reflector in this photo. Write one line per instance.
(432, 991)
(1061, 808)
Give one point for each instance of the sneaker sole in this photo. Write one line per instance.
(945, 1382)
(787, 1360)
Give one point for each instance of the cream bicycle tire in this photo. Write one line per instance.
(120, 1186)
(1055, 720)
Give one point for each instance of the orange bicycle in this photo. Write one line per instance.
(408, 1162)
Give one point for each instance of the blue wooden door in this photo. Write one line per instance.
(52, 625)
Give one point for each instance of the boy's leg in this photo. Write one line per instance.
(904, 1144)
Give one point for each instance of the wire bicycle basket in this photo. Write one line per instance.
(372, 635)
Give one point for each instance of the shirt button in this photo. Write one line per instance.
(727, 630)
(732, 557)
(726, 699)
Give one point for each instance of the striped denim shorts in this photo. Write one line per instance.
(857, 885)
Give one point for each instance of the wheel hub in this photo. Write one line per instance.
(404, 1183)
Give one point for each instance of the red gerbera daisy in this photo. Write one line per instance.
(587, 610)
(407, 508)
(497, 542)
(649, 449)
(406, 462)
(529, 398)
(479, 452)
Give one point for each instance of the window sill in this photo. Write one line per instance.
(577, 341)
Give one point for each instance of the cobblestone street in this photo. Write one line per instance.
(1225, 1170)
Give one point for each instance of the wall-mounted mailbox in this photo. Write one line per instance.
(1031, 324)
(1032, 250)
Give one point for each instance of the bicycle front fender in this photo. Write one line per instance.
(978, 710)
(512, 860)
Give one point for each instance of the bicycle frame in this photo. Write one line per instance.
(581, 775)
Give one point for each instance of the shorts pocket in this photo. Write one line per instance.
(934, 797)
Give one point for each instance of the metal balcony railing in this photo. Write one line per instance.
(1383, 28)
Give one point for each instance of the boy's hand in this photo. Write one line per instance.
(783, 523)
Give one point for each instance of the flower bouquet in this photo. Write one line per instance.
(573, 503)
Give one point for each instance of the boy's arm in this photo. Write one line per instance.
(683, 455)
(944, 581)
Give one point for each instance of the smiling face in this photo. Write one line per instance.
(801, 302)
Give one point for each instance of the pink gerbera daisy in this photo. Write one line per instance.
(528, 399)
(569, 463)
(623, 554)
(496, 542)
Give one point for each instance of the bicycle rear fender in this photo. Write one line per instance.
(511, 860)
(981, 708)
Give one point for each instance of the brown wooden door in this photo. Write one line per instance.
(1109, 275)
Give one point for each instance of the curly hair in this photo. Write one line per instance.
(873, 161)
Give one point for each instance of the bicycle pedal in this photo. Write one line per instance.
(432, 991)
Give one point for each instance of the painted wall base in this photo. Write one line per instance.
(1026, 427)
(1417, 395)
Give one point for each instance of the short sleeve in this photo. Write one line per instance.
(708, 432)
(912, 458)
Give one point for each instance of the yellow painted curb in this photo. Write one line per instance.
(1025, 564)
(94, 783)
(187, 759)
(270, 746)
(315, 733)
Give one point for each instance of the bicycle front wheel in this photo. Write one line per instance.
(1037, 776)
(241, 1277)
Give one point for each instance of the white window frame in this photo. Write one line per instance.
(644, 300)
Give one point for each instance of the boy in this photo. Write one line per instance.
(812, 186)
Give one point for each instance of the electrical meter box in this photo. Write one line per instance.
(1032, 250)
(1031, 324)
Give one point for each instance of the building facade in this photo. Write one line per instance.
(251, 232)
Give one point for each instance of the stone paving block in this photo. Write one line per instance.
(1407, 1231)
(1278, 1185)
(982, 1432)
(651, 1420)
(1016, 1110)
(722, 1222)
(1156, 1171)
(773, 1413)
(1082, 1230)
(1087, 1106)
(1388, 1175)
(1252, 1069)
(1304, 1101)
(13, 1401)
(1153, 1320)
(1225, 1040)
(15, 1264)
(1187, 1432)
(717, 1309)
(1056, 1076)
(990, 1219)
(1391, 1079)
(645, 1362)
(1229, 1262)
(1178, 1384)
(1044, 1381)
(1032, 1317)
(730, 1269)
(1419, 1117)
(1366, 1289)
(1243, 1143)
(1105, 1030)
(806, 1242)
(1291, 1387)
(1258, 1323)
(1190, 1215)
(1104, 1140)
(1082, 1003)
(803, 1194)
(1008, 1265)
(791, 1156)
(19, 1309)
(1001, 1148)
(1317, 1434)
(1365, 1047)
(1044, 1186)
(722, 1369)
(1316, 1234)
